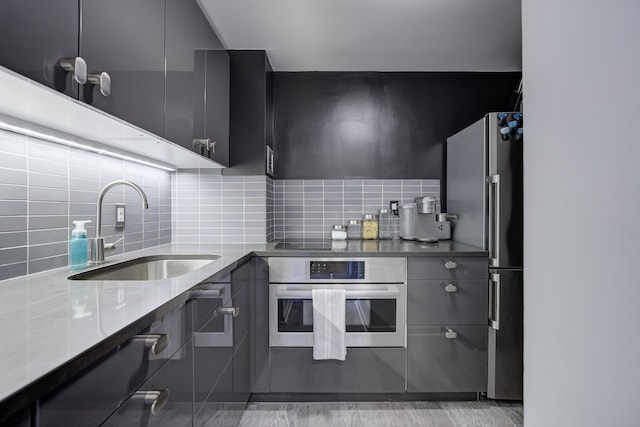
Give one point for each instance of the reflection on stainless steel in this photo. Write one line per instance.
(153, 267)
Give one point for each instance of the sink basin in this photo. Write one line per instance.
(153, 267)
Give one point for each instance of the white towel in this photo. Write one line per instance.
(329, 324)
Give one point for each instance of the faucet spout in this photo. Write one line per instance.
(98, 245)
(109, 186)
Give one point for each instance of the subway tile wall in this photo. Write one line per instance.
(308, 208)
(44, 186)
(212, 208)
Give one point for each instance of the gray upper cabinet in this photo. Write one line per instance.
(125, 40)
(197, 82)
(35, 35)
(251, 112)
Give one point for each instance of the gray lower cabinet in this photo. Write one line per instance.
(93, 395)
(447, 358)
(222, 357)
(165, 399)
(447, 332)
(440, 301)
(365, 370)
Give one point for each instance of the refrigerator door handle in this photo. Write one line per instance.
(494, 301)
(494, 219)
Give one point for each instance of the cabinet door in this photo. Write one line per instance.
(188, 38)
(34, 35)
(462, 302)
(439, 363)
(126, 40)
(165, 399)
(452, 268)
(91, 396)
(217, 104)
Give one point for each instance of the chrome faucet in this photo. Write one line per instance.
(98, 246)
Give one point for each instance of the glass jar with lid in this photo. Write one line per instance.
(384, 225)
(354, 229)
(370, 227)
(339, 232)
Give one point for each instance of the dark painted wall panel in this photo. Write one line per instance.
(377, 125)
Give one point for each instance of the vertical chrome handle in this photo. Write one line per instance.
(494, 219)
(451, 288)
(234, 311)
(450, 265)
(155, 342)
(212, 147)
(494, 301)
(103, 81)
(77, 66)
(451, 334)
(156, 398)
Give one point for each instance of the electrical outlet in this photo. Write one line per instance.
(120, 216)
(393, 207)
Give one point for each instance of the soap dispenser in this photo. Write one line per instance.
(78, 246)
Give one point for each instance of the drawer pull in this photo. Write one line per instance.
(155, 342)
(451, 334)
(156, 398)
(234, 311)
(451, 288)
(450, 265)
(102, 80)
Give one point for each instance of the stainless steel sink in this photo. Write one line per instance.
(154, 267)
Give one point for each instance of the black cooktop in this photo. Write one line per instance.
(306, 244)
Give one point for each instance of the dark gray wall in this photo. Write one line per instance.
(377, 125)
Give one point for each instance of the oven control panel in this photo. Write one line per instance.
(332, 270)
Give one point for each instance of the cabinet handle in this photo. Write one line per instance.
(234, 311)
(451, 288)
(205, 143)
(77, 66)
(156, 398)
(450, 265)
(212, 147)
(451, 334)
(103, 81)
(155, 342)
(494, 301)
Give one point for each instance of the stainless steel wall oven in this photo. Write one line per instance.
(375, 299)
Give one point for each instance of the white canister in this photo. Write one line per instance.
(338, 232)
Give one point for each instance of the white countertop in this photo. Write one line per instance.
(47, 320)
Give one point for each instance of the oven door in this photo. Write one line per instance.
(375, 314)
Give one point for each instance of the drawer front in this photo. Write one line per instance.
(216, 342)
(453, 268)
(206, 300)
(170, 389)
(440, 364)
(227, 400)
(461, 302)
(90, 397)
(365, 370)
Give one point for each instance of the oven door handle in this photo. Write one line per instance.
(373, 293)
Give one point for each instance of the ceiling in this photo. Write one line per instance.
(374, 35)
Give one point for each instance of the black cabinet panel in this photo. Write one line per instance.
(34, 35)
(126, 39)
(217, 104)
(377, 125)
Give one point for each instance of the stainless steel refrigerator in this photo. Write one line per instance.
(484, 189)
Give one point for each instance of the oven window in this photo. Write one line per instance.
(362, 315)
